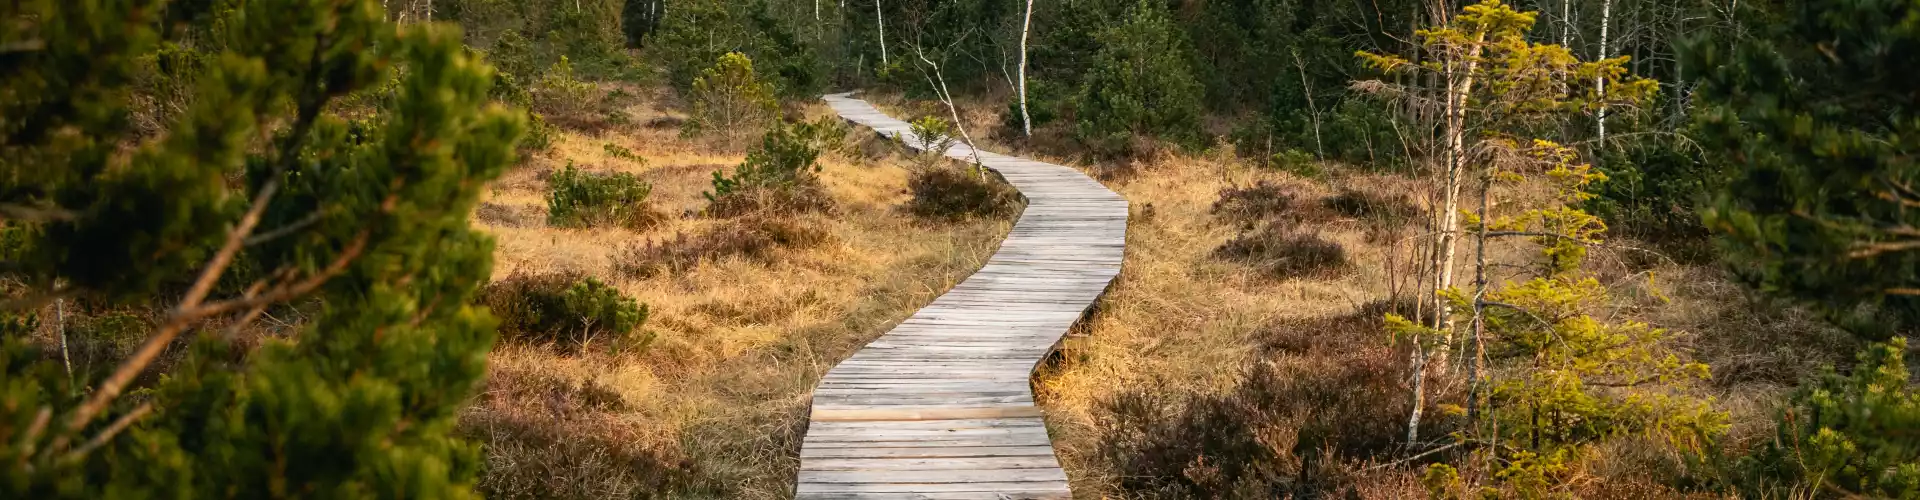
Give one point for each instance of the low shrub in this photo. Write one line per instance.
(1394, 210)
(561, 96)
(1383, 215)
(551, 438)
(585, 199)
(1281, 251)
(753, 238)
(621, 152)
(949, 192)
(1851, 435)
(565, 310)
(1246, 205)
(1288, 429)
(779, 174)
(1297, 162)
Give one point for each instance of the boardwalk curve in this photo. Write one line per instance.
(941, 406)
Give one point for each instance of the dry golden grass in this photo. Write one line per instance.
(712, 409)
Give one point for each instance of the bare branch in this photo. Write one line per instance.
(283, 231)
(107, 434)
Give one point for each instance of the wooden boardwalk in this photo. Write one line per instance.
(941, 406)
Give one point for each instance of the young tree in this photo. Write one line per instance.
(1140, 83)
(368, 216)
(729, 97)
(1486, 128)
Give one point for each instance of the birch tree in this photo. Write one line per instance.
(1026, 27)
(1536, 84)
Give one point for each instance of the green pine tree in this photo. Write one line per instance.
(1815, 114)
(1140, 84)
(255, 197)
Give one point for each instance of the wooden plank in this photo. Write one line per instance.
(869, 413)
(1021, 487)
(938, 463)
(933, 476)
(942, 406)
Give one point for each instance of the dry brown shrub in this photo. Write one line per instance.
(508, 215)
(1281, 250)
(801, 198)
(757, 238)
(954, 193)
(1264, 200)
(548, 437)
(1296, 424)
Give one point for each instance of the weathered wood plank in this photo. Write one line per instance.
(942, 406)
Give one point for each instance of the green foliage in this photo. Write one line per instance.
(1296, 162)
(368, 216)
(508, 90)
(1140, 84)
(1852, 433)
(783, 165)
(1813, 112)
(621, 152)
(566, 311)
(1568, 379)
(585, 199)
(729, 98)
(935, 135)
(696, 33)
(561, 94)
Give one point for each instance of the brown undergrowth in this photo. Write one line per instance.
(1236, 358)
(745, 314)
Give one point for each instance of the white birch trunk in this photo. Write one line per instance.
(882, 21)
(1606, 18)
(1026, 26)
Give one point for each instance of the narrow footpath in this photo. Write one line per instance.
(942, 406)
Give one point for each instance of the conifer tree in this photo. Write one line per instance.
(1816, 112)
(1140, 83)
(257, 196)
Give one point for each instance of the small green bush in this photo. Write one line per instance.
(621, 152)
(729, 97)
(585, 199)
(936, 136)
(566, 310)
(1854, 435)
(779, 174)
(564, 97)
(1296, 162)
(951, 192)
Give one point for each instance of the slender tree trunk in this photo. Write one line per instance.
(1319, 149)
(1566, 23)
(881, 20)
(1479, 298)
(1026, 26)
(1459, 87)
(1606, 18)
(60, 322)
(947, 98)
